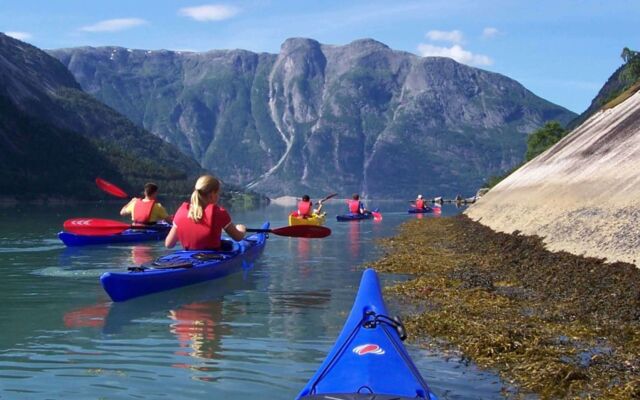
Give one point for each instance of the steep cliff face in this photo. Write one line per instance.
(582, 194)
(317, 118)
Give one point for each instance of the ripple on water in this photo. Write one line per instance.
(31, 248)
(66, 272)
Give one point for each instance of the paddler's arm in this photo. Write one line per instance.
(128, 208)
(172, 237)
(236, 232)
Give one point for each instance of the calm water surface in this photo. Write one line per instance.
(260, 333)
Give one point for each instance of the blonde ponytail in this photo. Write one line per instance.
(205, 185)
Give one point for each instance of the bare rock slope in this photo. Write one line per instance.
(583, 194)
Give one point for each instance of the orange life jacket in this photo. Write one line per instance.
(304, 208)
(142, 211)
(204, 235)
(420, 203)
(354, 206)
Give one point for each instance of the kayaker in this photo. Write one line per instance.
(199, 223)
(420, 203)
(147, 210)
(356, 206)
(305, 207)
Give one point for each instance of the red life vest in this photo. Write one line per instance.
(354, 206)
(304, 208)
(142, 211)
(420, 203)
(204, 235)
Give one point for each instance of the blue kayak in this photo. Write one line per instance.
(420, 210)
(368, 360)
(355, 216)
(157, 232)
(182, 268)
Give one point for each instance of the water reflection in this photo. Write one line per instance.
(199, 330)
(141, 254)
(171, 303)
(257, 334)
(92, 316)
(354, 239)
(303, 249)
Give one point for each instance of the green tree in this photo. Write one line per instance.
(631, 58)
(543, 138)
(628, 54)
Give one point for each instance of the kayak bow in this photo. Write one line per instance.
(156, 232)
(420, 210)
(368, 360)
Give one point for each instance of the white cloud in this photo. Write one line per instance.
(19, 35)
(114, 25)
(454, 36)
(209, 12)
(490, 32)
(456, 52)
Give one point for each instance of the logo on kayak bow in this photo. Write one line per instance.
(368, 349)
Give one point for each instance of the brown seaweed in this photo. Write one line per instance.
(555, 324)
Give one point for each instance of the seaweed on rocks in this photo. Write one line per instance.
(555, 324)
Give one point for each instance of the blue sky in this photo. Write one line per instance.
(561, 50)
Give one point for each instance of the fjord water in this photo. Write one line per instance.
(260, 333)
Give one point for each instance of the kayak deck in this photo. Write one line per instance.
(368, 360)
(182, 268)
(356, 216)
(315, 219)
(420, 210)
(158, 232)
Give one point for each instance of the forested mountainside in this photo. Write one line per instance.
(625, 78)
(56, 138)
(320, 118)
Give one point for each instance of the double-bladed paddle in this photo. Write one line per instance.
(328, 197)
(301, 231)
(105, 227)
(376, 215)
(111, 188)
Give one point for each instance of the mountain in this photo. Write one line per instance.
(56, 139)
(320, 118)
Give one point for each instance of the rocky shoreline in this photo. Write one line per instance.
(553, 324)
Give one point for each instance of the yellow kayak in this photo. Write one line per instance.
(315, 219)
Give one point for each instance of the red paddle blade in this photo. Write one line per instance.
(303, 231)
(376, 215)
(94, 226)
(111, 188)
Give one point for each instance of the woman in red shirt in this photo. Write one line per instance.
(199, 223)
